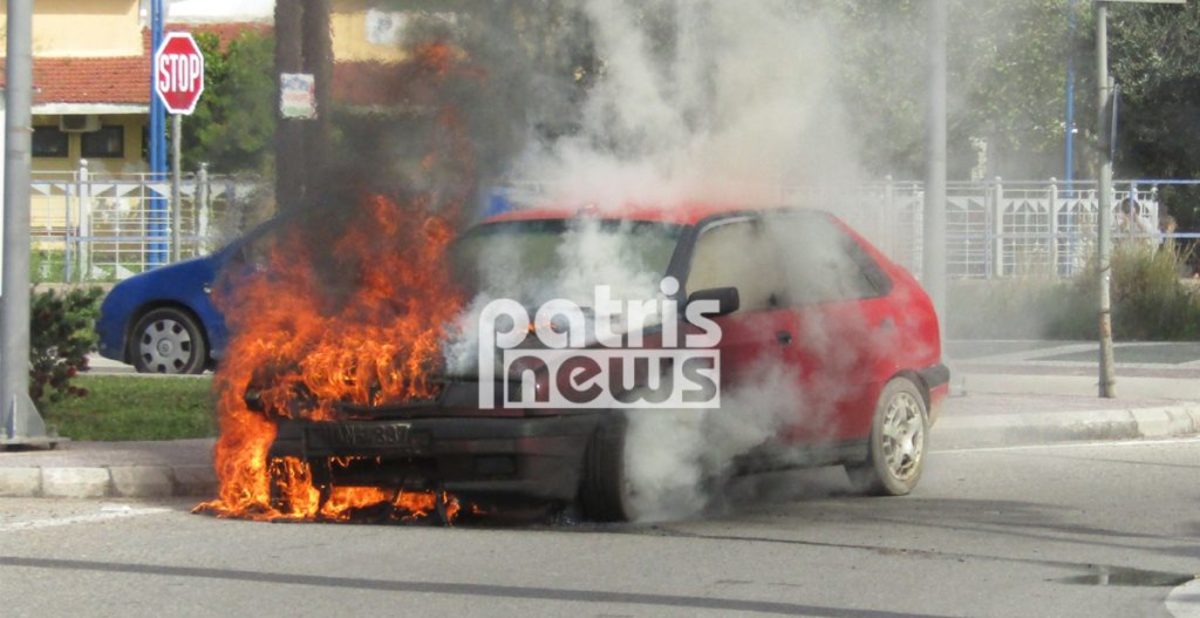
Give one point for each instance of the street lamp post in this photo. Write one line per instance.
(20, 423)
(933, 264)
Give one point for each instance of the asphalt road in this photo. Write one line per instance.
(1002, 532)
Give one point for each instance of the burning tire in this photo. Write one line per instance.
(897, 445)
(604, 491)
(168, 340)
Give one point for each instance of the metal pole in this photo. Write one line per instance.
(934, 262)
(155, 219)
(176, 202)
(1069, 144)
(22, 425)
(1104, 203)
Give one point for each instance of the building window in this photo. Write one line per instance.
(48, 141)
(108, 142)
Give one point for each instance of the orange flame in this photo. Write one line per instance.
(376, 338)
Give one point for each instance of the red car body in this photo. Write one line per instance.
(856, 335)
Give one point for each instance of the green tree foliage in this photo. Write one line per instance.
(1006, 80)
(1155, 59)
(234, 121)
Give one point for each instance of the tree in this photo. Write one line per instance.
(234, 121)
(1006, 67)
(1155, 59)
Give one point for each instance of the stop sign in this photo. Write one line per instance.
(180, 72)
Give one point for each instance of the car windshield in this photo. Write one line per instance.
(538, 260)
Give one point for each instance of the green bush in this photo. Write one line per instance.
(1150, 301)
(62, 333)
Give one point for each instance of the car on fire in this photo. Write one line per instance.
(856, 336)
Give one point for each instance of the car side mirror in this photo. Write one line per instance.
(727, 299)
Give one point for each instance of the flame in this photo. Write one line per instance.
(355, 316)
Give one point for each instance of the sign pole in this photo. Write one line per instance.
(176, 203)
(179, 82)
(158, 145)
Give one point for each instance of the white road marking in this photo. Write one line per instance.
(1184, 601)
(104, 515)
(1092, 444)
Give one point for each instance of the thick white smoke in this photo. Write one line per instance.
(734, 100)
(740, 104)
(724, 102)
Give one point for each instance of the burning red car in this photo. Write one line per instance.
(850, 336)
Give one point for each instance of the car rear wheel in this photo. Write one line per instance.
(899, 433)
(604, 490)
(168, 340)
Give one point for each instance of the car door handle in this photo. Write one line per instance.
(783, 337)
(886, 324)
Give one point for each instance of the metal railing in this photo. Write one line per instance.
(104, 227)
(92, 227)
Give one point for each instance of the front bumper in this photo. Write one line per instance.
(540, 457)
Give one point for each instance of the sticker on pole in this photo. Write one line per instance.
(179, 73)
(297, 96)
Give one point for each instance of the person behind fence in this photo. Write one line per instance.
(1133, 223)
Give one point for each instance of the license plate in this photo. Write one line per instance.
(367, 435)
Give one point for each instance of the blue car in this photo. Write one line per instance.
(163, 320)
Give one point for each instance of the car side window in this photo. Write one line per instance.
(736, 254)
(821, 262)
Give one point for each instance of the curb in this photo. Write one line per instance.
(162, 481)
(107, 482)
(1085, 425)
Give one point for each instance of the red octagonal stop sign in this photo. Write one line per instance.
(180, 78)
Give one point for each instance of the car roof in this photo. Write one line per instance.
(688, 213)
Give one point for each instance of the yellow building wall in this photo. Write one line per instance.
(351, 40)
(49, 213)
(131, 162)
(83, 28)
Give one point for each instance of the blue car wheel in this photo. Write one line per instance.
(168, 340)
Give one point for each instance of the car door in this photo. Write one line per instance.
(840, 322)
(733, 252)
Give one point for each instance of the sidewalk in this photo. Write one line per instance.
(1013, 405)
(115, 469)
(1031, 392)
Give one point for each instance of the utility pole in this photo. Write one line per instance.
(934, 245)
(1104, 204)
(290, 150)
(22, 425)
(318, 60)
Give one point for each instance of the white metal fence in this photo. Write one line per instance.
(88, 227)
(996, 229)
(92, 227)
